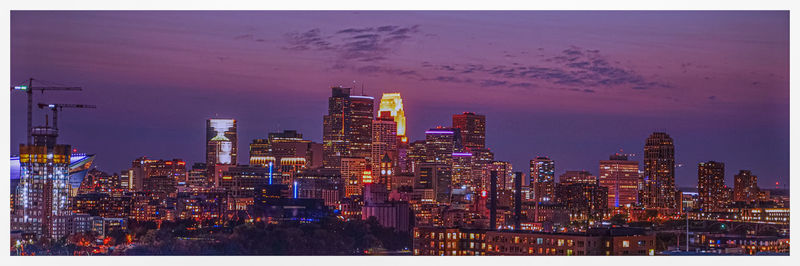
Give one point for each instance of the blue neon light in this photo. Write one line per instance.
(270, 173)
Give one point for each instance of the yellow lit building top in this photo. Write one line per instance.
(393, 103)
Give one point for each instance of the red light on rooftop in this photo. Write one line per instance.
(74, 150)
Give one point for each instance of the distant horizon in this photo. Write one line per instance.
(573, 86)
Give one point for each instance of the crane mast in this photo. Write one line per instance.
(29, 90)
(56, 107)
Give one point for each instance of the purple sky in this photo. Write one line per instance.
(575, 86)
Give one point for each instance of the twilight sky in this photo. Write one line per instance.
(573, 85)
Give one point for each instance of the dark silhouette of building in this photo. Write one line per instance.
(659, 172)
(473, 129)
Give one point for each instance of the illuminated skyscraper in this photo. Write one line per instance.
(621, 177)
(440, 143)
(745, 187)
(505, 178)
(336, 125)
(659, 172)
(347, 128)
(481, 159)
(711, 188)
(462, 170)
(543, 172)
(360, 133)
(473, 129)
(221, 145)
(393, 103)
(43, 192)
(384, 139)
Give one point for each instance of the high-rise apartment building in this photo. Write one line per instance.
(711, 188)
(745, 187)
(621, 177)
(43, 198)
(543, 179)
(659, 172)
(473, 129)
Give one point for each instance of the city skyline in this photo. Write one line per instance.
(440, 133)
(715, 127)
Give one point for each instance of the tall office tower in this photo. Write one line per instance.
(43, 191)
(363, 113)
(473, 129)
(543, 171)
(711, 188)
(143, 168)
(440, 143)
(437, 177)
(505, 180)
(393, 103)
(659, 172)
(462, 170)
(347, 128)
(577, 177)
(745, 187)
(384, 139)
(221, 146)
(481, 159)
(336, 125)
(621, 177)
(416, 155)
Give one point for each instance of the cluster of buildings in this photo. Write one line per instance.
(447, 190)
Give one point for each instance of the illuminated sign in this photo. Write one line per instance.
(366, 178)
(21, 88)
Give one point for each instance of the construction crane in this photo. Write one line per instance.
(29, 90)
(56, 107)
